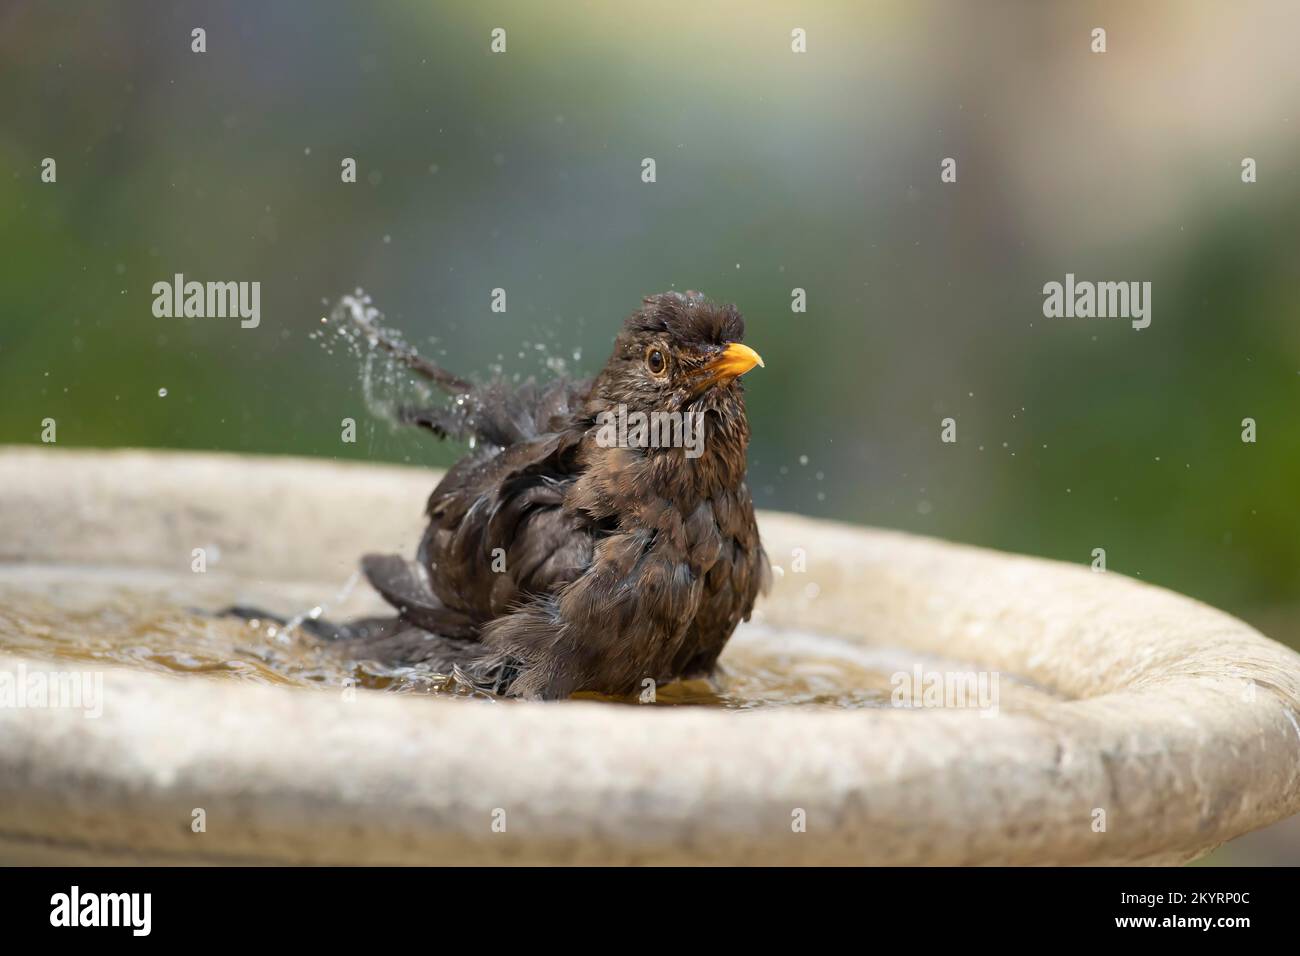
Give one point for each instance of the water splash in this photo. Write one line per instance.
(357, 327)
(285, 633)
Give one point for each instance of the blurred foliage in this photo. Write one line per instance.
(774, 171)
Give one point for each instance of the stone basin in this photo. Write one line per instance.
(1136, 726)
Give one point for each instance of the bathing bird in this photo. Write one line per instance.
(599, 535)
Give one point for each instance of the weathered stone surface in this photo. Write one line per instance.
(1158, 724)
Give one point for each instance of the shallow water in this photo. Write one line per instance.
(154, 621)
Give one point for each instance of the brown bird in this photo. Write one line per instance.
(567, 552)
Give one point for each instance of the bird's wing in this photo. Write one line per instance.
(617, 625)
(501, 413)
(498, 532)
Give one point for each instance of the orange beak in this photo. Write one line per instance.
(735, 361)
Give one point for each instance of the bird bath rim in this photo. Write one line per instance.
(1177, 722)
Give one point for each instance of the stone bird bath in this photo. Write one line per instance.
(1137, 726)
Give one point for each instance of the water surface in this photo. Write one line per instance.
(158, 621)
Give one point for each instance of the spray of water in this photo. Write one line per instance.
(285, 633)
(387, 382)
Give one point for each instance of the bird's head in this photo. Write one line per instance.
(678, 353)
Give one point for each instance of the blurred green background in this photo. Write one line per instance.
(775, 171)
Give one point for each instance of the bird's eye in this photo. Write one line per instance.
(655, 361)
